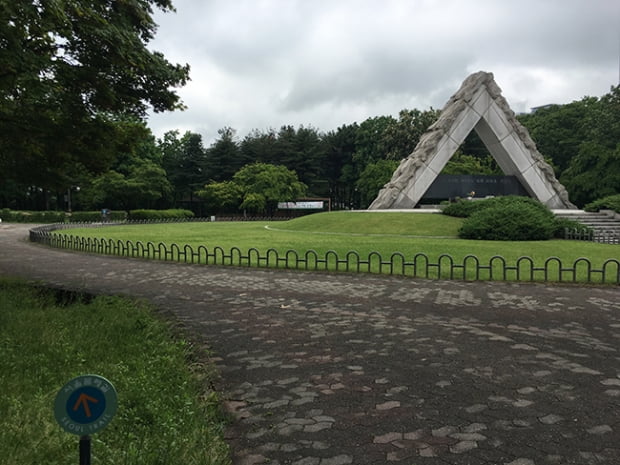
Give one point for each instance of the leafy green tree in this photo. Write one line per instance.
(594, 172)
(257, 188)
(141, 185)
(259, 146)
(274, 183)
(470, 164)
(184, 160)
(559, 130)
(402, 136)
(370, 143)
(223, 157)
(253, 202)
(223, 196)
(74, 76)
(373, 178)
(339, 171)
(303, 151)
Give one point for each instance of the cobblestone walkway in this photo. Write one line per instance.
(333, 369)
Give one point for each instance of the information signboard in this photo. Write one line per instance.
(85, 404)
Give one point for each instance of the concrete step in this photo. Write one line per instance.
(606, 227)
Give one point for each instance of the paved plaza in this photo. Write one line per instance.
(332, 369)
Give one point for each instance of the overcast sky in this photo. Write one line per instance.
(259, 64)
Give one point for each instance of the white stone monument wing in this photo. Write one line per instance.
(478, 105)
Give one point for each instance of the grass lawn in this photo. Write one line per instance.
(163, 416)
(363, 232)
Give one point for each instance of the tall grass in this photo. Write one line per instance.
(164, 414)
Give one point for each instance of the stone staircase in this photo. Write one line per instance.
(605, 225)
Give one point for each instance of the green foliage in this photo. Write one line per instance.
(160, 214)
(469, 164)
(164, 415)
(184, 161)
(254, 202)
(302, 150)
(142, 183)
(611, 202)
(222, 196)
(76, 77)
(373, 178)
(558, 130)
(561, 224)
(462, 208)
(264, 185)
(370, 142)
(581, 138)
(96, 216)
(465, 208)
(338, 165)
(223, 158)
(593, 173)
(509, 222)
(509, 218)
(12, 216)
(401, 137)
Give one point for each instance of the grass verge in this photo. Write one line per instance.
(164, 415)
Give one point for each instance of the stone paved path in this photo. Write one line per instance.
(332, 369)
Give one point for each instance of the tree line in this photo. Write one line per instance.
(76, 81)
(347, 165)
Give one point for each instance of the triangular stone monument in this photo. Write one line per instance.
(478, 105)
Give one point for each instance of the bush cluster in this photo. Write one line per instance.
(611, 202)
(511, 222)
(462, 208)
(160, 214)
(510, 218)
(95, 216)
(566, 223)
(16, 216)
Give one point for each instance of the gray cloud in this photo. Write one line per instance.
(260, 64)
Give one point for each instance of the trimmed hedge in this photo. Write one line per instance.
(160, 214)
(16, 216)
(611, 202)
(95, 216)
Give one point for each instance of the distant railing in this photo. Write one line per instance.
(418, 266)
(592, 235)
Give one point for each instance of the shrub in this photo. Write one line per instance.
(15, 216)
(462, 208)
(465, 208)
(611, 202)
(518, 221)
(160, 214)
(95, 216)
(560, 224)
